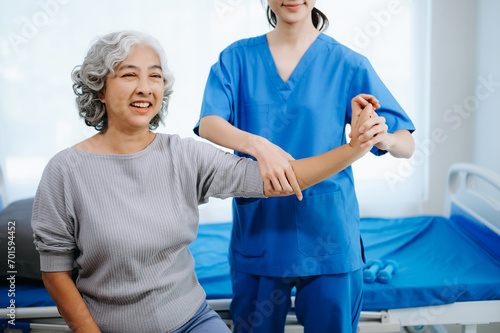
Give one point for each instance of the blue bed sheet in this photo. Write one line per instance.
(26, 295)
(440, 261)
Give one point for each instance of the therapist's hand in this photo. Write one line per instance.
(275, 168)
(274, 162)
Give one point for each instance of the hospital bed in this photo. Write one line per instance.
(448, 266)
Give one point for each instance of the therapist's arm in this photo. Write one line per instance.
(69, 302)
(399, 144)
(274, 162)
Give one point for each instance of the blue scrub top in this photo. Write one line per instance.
(306, 116)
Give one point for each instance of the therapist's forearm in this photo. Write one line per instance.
(312, 170)
(69, 302)
(403, 145)
(220, 131)
(274, 162)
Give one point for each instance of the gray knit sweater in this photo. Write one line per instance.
(126, 222)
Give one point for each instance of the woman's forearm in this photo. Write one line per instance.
(312, 170)
(70, 303)
(306, 172)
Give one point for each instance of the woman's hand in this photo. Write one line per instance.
(312, 170)
(373, 131)
(276, 171)
(362, 114)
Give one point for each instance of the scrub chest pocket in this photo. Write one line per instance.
(322, 227)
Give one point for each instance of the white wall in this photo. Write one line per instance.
(487, 127)
(464, 90)
(452, 83)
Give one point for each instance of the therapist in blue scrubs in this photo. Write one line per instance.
(277, 97)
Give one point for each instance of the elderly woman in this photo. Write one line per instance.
(121, 206)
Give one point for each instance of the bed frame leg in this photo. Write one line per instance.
(471, 328)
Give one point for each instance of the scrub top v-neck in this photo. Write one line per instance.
(305, 116)
(286, 88)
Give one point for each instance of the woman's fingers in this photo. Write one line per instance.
(370, 99)
(358, 103)
(364, 120)
(362, 100)
(357, 121)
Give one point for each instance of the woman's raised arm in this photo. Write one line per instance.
(312, 170)
(275, 164)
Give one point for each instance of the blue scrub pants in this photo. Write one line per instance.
(205, 320)
(323, 303)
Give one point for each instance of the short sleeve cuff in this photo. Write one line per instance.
(56, 261)
(378, 152)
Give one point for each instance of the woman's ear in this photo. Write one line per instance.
(100, 94)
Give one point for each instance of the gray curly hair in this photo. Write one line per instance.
(89, 79)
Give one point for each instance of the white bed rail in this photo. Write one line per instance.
(476, 191)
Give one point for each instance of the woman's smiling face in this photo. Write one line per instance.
(135, 94)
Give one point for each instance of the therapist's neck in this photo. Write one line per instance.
(294, 33)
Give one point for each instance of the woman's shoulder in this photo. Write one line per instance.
(188, 152)
(186, 145)
(59, 164)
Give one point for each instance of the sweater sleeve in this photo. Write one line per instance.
(221, 174)
(53, 227)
